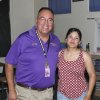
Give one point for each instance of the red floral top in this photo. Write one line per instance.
(71, 81)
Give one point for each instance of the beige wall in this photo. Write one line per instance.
(21, 16)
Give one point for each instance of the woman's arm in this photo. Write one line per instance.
(91, 72)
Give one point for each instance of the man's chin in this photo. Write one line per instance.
(46, 33)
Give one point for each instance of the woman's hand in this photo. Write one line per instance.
(87, 97)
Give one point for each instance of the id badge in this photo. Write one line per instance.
(47, 70)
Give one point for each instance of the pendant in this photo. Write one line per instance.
(47, 70)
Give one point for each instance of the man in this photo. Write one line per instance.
(34, 54)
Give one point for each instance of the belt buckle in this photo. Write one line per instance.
(29, 87)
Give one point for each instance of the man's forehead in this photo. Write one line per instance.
(45, 12)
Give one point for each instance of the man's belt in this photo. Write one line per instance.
(28, 87)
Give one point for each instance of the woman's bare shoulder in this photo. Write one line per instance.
(86, 55)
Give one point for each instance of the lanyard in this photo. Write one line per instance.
(44, 52)
(47, 67)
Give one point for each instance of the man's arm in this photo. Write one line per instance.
(9, 70)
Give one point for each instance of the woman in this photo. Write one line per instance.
(72, 63)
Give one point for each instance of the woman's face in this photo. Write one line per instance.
(73, 40)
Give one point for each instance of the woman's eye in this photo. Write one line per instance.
(70, 36)
(76, 38)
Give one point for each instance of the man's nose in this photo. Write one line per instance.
(46, 21)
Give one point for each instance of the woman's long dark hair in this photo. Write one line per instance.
(74, 30)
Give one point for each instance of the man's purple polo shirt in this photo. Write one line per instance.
(27, 56)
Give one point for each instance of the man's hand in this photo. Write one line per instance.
(12, 95)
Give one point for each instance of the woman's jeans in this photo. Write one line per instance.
(60, 96)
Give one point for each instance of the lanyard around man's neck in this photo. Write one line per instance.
(44, 52)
